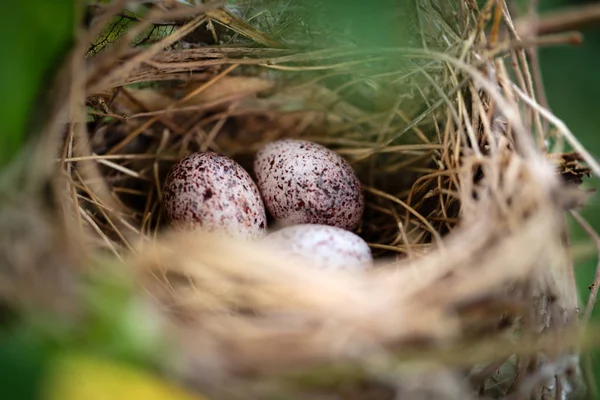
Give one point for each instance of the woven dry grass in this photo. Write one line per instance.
(473, 294)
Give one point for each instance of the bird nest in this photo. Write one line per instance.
(472, 294)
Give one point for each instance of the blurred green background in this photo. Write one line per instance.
(35, 34)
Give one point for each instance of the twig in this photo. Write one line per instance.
(96, 157)
(123, 169)
(242, 27)
(589, 308)
(571, 38)
(535, 65)
(560, 21)
(522, 59)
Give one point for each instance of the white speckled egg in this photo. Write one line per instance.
(304, 182)
(211, 191)
(322, 246)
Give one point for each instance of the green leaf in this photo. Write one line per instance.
(35, 35)
(119, 324)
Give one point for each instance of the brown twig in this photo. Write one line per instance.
(589, 308)
(534, 62)
(573, 18)
(242, 27)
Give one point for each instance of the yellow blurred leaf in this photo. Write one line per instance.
(77, 377)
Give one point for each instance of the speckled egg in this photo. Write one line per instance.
(304, 182)
(211, 191)
(322, 246)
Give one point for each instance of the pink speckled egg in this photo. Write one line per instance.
(322, 246)
(211, 191)
(304, 182)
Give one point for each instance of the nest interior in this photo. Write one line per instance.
(364, 109)
(464, 202)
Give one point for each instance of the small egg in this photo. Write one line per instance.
(322, 246)
(304, 182)
(211, 191)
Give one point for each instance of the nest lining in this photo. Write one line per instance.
(463, 211)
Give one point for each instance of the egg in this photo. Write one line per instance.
(213, 192)
(304, 182)
(322, 246)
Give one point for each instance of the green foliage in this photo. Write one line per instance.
(119, 324)
(384, 23)
(113, 324)
(35, 36)
(123, 22)
(21, 368)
